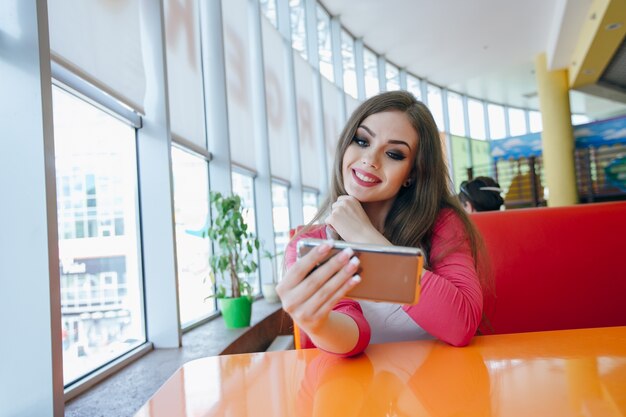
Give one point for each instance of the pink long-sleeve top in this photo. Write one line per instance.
(451, 301)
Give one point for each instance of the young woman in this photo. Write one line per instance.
(389, 186)
(480, 194)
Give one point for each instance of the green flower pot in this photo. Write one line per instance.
(236, 311)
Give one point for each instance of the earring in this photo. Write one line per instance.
(407, 183)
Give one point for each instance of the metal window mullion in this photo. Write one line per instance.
(359, 67)
(424, 90)
(215, 95)
(295, 191)
(31, 355)
(335, 41)
(381, 63)
(402, 77)
(263, 181)
(507, 122)
(486, 120)
(470, 153)
(446, 128)
(156, 188)
(318, 101)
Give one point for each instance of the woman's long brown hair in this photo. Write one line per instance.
(411, 219)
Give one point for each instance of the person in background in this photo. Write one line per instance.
(481, 194)
(390, 186)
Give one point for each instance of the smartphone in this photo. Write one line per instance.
(388, 273)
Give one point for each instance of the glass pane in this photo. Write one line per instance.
(370, 68)
(517, 122)
(243, 186)
(101, 292)
(455, 112)
(413, 85)
(435, 105)
(298, 27)
(280, 213)
(309, 205)
(496, 121)
(536, 125)
(349, 73)
(191, 212)
(268, 7)
(393, 77)
(476, 112)
(580, 119)
(325, 44)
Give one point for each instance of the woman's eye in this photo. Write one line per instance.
(396, 155)
(361, 142)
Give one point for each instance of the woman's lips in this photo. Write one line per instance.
(364, 178)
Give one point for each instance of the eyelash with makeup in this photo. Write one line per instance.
(363, 143)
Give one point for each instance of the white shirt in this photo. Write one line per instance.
(389, 323)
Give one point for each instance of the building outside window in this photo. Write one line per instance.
(99, 240)
(456, 115)
(349, 72)
(393, 77)
(243, 186)
(517, 121)
(435, 105)
(497, 127)
(476, 112)
(324, 41)
(370, 69)
(268, 7)
(191, 213)
(310, 202)
(280, 214)
(298, 27)
(413, 86)
(536, 125)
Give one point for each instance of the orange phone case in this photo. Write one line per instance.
(388, 273)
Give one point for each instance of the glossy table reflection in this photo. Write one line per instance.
(559, 373)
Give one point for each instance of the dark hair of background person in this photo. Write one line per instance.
(483, 193)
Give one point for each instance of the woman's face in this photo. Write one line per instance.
(380, 157)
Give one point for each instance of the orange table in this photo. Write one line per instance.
(559, 373)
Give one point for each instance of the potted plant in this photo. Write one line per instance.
(232, 258)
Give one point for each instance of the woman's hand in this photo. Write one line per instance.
(308, 297)
(348, 218)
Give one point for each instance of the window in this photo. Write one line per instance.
(413, 86)
(476, 112)
(536, 125)
(370, 69)
(309, 205)
(497, 128)
(268, 7)
(349, 73)
(580, 119)
(517, 122)
(435, 105)
(298, 26)
(393, 77)
(243, 186)
(455, 112)
(280, 214)
(191, 213)
(324, 40)
(100, 264)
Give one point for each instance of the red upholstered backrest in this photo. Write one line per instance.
(557, 268)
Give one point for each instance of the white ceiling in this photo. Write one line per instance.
(483, 48)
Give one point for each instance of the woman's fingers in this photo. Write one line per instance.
(303, 266)
(304, 301)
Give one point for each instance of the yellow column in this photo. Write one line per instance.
(557, 136)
